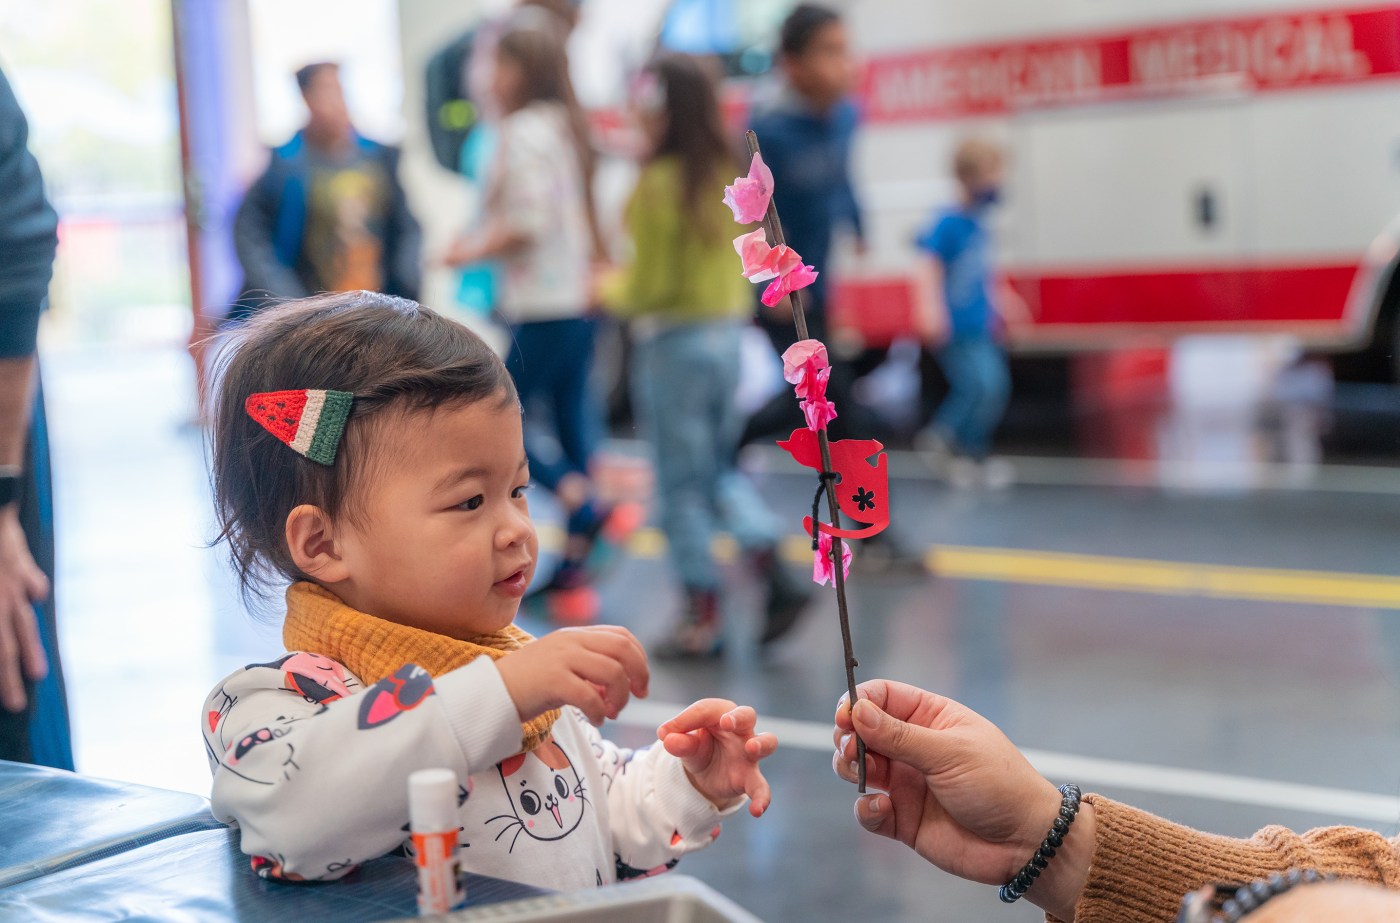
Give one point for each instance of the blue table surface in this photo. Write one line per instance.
(75, 848)
(51, 819)
(203, 876)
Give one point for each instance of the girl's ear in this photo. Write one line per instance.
(312, 542)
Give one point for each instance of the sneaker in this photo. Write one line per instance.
(699, 635)
(934, 450)
(998, 473)
(786, 606)
(573, 607)
(964, 473)
(885, 553)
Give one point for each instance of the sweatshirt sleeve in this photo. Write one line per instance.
(1143, 865)
(657, 816)
(649, 283)
(313, 767)
(28, 233)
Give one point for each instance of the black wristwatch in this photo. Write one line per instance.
(11, 480)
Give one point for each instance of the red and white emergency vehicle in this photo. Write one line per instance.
(1183, 167)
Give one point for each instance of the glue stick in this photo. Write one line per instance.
(434, 822)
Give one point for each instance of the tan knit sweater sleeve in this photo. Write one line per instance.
(1143, 865)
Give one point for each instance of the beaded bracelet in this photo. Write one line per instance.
(1207, 906)
(1016, 888)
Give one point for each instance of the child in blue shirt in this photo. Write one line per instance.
(962, 319)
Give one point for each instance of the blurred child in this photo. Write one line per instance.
(962, 320)
(806, 127)
(540, 224)
(394, 505)
(689, 305)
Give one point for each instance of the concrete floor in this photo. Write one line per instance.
(1136, 660)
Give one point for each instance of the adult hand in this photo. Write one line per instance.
(22, 584)
(954, 789)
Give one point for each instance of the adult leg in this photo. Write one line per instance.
(531, 365)
(676, 414)
(50, 740)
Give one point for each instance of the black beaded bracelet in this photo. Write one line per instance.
(1228, 903)
(1016, 888)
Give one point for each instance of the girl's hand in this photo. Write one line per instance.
(955, 790)
(594, 669)
(715, 741)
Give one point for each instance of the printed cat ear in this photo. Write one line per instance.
(311, 422)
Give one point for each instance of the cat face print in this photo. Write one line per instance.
(547, 795)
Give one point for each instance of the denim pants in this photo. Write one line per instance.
(550, 362)
(684, 381)
(979, 385)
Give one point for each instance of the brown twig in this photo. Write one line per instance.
(799, 317)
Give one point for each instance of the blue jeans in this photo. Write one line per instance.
(550, 362)
(979, 386)
(683, 388)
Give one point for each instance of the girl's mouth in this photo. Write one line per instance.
(514, 585)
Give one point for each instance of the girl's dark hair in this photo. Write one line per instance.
(694, 132)
(802, 25)
(389, 352)
(539, 49)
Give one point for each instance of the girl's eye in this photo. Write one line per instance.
(520, 492)
(474, 503)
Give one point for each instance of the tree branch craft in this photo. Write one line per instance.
(845, 473)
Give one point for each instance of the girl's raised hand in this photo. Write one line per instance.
(594, 669)
(715, 741)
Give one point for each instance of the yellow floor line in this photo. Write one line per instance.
(1099, 572)
(1169, 578)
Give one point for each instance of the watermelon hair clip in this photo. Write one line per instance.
(310, 421)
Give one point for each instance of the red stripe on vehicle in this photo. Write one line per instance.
(1287, 50)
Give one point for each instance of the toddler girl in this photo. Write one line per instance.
(369, 452)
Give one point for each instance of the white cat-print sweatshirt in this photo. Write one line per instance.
(313, 768)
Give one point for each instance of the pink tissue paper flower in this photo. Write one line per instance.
(805, 364)
(748, 197)
(823, 571)
(819, 412)
(801, 277)
(762, 262)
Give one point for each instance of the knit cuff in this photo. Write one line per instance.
(480, 712)
(689, 812)
(1143, 865)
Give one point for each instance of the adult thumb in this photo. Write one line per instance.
(895, 739)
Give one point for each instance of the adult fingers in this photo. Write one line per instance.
(31, 647)
(895, 739)
(704, 713)
(877, 769)
(876, 814)
(11, 678)
(36, 583)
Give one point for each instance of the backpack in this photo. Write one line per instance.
(451, 114)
